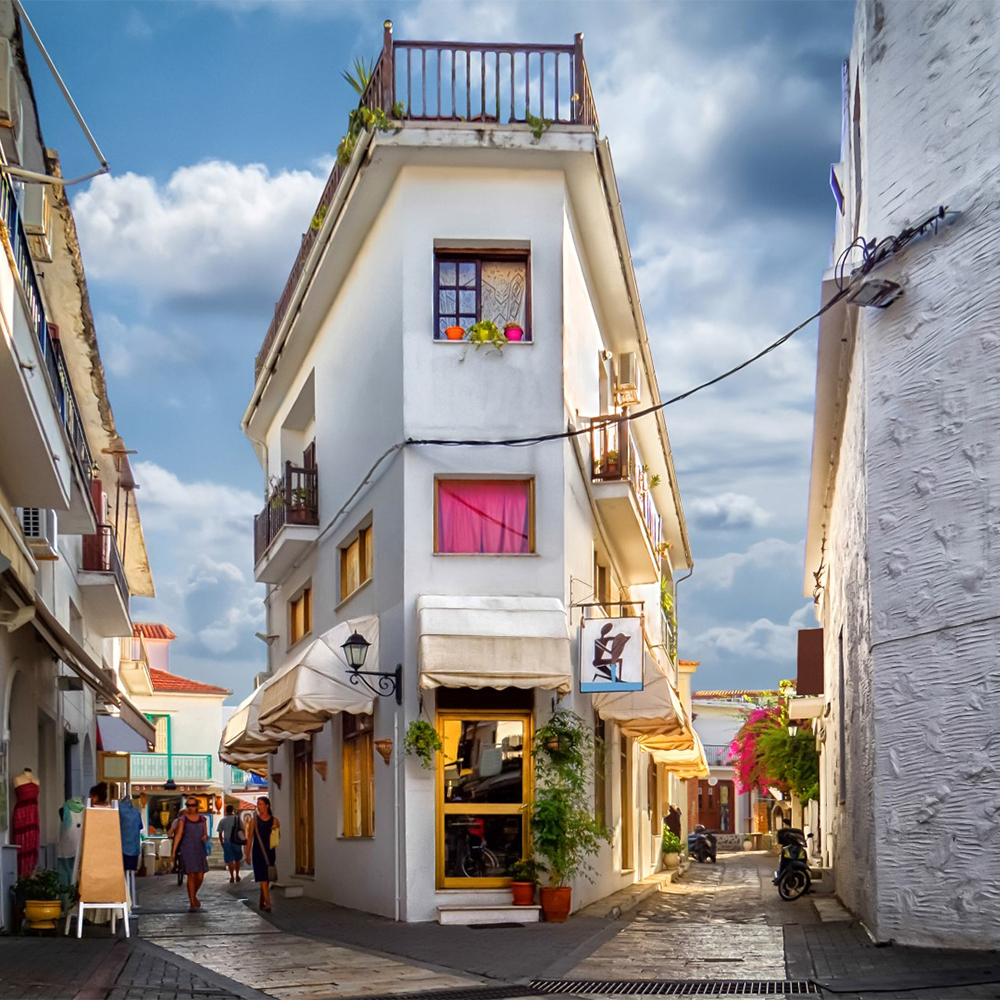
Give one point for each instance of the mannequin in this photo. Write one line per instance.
(24, 825)
(70, 831)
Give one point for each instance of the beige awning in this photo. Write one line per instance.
(137, 722)
(684, 763)
(244, 743)
(654, 712)
(302, 697)
(494, 642)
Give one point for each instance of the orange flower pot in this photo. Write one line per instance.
(455, 332)
(556, 903)
(523, 892)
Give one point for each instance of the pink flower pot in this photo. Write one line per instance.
(513, 333)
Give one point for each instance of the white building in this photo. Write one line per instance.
(188, 717)
(71, 545)
(901, 554)
(469, 567)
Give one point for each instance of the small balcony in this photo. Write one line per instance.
(154, 768)
(103, 584)
(716, 755)
(623, 493)
(288, 525)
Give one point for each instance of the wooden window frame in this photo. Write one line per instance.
(526, 718)
(479, 257)
(366, 559)
(358, 733)
(530, 480)
(303, 807)
(304, 593)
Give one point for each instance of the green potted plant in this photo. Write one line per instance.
(524, 876)
(486, 333)
(42, 894)
(671, 848)
(422, 741)
(513, 331)
(564, 831)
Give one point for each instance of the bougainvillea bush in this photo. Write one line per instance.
(749, 766)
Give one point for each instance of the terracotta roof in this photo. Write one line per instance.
(731, 695)
(152, 630)
(163, 680)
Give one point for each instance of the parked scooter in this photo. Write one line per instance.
(793, 877)
(703, 848)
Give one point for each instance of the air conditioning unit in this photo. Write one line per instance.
(39, 527)
(627, 380)
(38, 220)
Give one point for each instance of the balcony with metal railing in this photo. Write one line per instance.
(154, 768)
(104, 585)
(41, 339)
(287, 525)
(623, 492)
(487, 83)
(717, 755)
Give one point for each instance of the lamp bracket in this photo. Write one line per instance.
(387, 683)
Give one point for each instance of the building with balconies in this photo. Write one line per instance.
(71, 546)
(467, 506)
(187, 717)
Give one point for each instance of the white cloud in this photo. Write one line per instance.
(130, 348)
(719, 573)
(727, 510)
(762, 639)
(216, 234)
(136, 26)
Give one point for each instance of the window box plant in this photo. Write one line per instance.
(524, 876)
(513, 331)
(486, 333)
(671, 848)
(422, 741)
(42, 895)
(454, 332)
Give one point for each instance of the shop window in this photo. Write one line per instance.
(300, 616)
(359, 776)
(356, 563)
(473, 287)
(484, 791)
(484, 516)
(600, 772)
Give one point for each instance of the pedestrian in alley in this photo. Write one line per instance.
(262, 839)
(189, 850)
(232, 840)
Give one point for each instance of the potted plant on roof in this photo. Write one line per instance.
(524, 875)
(564, 831)
(42, 894)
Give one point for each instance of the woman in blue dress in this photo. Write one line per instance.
(259, 852)
(189, 848)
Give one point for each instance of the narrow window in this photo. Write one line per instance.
(473, 287)
(600, 772)
(359, 776)
(300, 616)
(356, 563)
(480, 516)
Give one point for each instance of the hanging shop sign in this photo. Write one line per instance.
(610, 654)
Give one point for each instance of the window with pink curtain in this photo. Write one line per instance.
(484, 516)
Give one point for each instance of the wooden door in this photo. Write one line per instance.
(708, 805)
(303, 808)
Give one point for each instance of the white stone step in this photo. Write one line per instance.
(290, 890)
(498, 914)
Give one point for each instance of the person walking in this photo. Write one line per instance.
(232, 840)
(189, 849)
(262, 839)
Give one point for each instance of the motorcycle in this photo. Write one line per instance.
(793, 877)
(703, 846)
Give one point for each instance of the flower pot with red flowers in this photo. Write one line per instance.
(513, 331)
(524, 877)
(455, 332)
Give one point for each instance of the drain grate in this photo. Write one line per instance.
(689, 988)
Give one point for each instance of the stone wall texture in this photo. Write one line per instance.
(914, 543)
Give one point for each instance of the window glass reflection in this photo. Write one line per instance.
(482, 846)
(483, 760)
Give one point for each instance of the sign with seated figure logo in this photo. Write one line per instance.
(611, 654)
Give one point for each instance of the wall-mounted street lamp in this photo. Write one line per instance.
(356, 652)
(793, 729)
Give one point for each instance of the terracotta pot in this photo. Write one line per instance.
(523, 892)
(555, 902)
(671, 861)
(42, 914)
(455, 332)
(513, 333)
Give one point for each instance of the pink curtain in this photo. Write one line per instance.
(483, 516)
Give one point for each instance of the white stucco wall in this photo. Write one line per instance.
(913, 512)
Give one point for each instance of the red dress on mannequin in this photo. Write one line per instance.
(24, 827)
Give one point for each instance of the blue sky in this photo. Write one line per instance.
(220, 119)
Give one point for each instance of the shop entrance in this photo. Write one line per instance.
(484, 795)
(716, 804)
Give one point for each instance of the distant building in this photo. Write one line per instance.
(902, 554)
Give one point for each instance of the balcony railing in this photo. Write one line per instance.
(16, 244)
(497, 83)
(615, 458)
(295, 502)
(716, 755)
(100, 555)
(179, 766)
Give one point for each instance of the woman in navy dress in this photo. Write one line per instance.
(259, 851)
(189, 845)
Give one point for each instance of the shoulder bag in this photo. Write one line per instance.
(272, 870)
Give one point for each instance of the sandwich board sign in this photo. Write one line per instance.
(610, 654)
